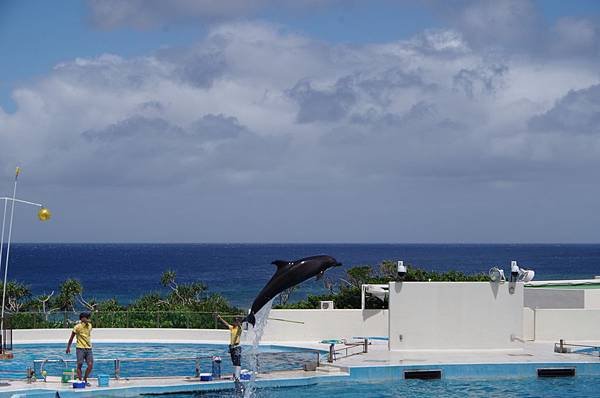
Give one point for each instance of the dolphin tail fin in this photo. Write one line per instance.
(250, 319)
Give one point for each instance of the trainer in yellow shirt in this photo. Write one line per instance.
(235, 349)
(83, 332)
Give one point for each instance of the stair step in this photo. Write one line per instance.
(331, 369)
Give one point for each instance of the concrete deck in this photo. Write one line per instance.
(531, 352)
(136, 386)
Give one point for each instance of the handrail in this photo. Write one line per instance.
(332, 351)
(560, 347)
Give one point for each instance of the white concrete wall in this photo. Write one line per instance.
(21, 336)
(318, 325)
(592, 299)
(455, 315)
(568, 324)
(554, 298)
(308, 326)
(528, 324)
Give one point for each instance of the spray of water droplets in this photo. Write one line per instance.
(255, 336)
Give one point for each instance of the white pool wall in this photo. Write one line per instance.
(569, 324)
(25, 336)
(455, 315)
(325, 324)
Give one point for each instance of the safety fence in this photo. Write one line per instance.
(349, 349)
(121, 319)
(184, 366)
(563, 347)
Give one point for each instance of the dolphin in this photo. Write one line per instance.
(288, 274)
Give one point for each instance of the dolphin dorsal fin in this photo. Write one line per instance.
(280, 264)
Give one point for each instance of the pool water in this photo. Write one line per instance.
(451, 388)
(270, 358)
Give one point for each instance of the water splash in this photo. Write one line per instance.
(256, 334)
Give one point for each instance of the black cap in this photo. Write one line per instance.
(84, 315)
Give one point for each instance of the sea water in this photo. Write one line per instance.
(239, 271)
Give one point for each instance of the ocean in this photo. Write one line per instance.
(239, 271)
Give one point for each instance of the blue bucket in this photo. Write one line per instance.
(103, 380)
(216, 367)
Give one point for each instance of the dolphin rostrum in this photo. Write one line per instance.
(288, 274)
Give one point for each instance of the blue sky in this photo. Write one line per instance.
(337, 102)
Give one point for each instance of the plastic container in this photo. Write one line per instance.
(246, 375)
(67, 376)
(216, 367)
(206, 377)
(78, 383)
(103, 380)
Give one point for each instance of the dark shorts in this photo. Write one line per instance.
(236, 355)
(84, 355)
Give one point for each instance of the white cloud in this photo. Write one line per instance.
(275, 113)
(145, 14)
(437, 104)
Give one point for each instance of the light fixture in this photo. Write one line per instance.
(514, 271)
(496, 274)
(401, 270)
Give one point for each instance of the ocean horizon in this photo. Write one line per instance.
(239, 270)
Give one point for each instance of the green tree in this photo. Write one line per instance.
(358, 276)
(186, 293)
(16, 295)
(69, 291)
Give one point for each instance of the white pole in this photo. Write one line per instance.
(2, 235)
(24, 201)
(10, 224)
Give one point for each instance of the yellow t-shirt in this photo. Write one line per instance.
(83, 332)
(236, 333)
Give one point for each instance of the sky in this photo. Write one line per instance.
(302, 120)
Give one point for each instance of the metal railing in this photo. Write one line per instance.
(334, 354)
(117, 362)
(563, 348)
(40, 364)
(121, 319)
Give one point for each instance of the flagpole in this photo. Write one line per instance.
(10, 224)
(2, 234)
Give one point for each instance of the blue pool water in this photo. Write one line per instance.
(270, 358)
(238, 271)
(505, 388)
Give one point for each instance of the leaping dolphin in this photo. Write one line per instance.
(288, 274)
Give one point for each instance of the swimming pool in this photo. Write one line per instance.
(171, 363)
(581, 386)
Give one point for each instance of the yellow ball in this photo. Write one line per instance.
(44, 373)
(44, 214)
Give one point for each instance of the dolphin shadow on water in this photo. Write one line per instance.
(289, 274)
